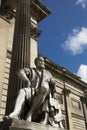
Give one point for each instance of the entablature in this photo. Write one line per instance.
(38, 10)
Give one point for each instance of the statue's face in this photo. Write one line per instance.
(40, 63)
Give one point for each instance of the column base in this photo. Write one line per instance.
(15, 124)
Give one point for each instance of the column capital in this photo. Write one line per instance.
(66, 91)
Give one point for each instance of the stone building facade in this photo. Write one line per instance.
(70, 93)
(69, 87)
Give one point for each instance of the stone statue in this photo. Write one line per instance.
(38, 95)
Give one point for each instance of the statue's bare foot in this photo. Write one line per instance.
(6, 118)
(29, 118)
(9, 117)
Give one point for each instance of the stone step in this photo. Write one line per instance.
(16, 124)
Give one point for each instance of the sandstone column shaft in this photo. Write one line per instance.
(20, 51)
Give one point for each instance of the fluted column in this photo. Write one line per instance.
(66, 93)
(20, 52)
(83, 100)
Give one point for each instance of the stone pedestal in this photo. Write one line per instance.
(24, 125)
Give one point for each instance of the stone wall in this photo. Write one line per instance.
(75, 109)
(4, 29)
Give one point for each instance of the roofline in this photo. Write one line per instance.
(60, 70)
(40, 4)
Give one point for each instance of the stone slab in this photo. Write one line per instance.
(15, 124)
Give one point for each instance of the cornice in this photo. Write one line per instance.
(38, 10)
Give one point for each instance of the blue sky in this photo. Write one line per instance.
(64, 35)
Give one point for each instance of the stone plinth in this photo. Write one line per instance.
(15, 124)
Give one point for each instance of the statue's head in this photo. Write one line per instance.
(39, 62)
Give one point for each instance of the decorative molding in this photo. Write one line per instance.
(7, 12)
(38, 10)
(34, 32)
(76, 104)
(77, 116)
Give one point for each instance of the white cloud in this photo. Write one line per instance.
(76, 42)
(81, 2)
(82, 72)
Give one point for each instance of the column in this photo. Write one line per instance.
(83, 100)
(20, 51)
(68, 108)
(67, 102)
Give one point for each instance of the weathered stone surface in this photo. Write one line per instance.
(24, 125)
